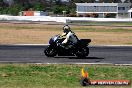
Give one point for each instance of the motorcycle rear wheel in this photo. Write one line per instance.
(50, 52)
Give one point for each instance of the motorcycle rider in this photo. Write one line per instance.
(70, 39)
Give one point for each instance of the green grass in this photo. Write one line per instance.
(58, 76)
(77, 28)
(103, 30)
(105, 23)
(74, 29)
(19, 27)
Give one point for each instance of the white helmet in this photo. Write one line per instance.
(66, 29)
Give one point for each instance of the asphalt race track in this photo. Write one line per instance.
(34, 54)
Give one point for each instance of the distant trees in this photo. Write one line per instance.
(13, 7)
(38, 6)
(11, 10)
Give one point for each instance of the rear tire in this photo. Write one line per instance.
(50, 52)
(82, 52)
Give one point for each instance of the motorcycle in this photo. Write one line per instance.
(80, 49)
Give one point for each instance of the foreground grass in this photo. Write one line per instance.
(58, 76)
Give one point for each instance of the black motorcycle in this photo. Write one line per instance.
(80, 49)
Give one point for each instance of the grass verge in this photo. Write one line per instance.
(105, 23)
(58, 76)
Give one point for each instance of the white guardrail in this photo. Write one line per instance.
(60, 19)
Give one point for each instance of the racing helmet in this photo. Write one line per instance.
(66, 29)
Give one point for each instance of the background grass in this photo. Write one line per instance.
(20, 33)
(58, 76)
(104, 23)
(102, 30)
(110, 27)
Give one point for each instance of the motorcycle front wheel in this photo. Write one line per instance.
(50, 52)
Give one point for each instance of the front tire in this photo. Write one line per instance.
(50, 52)
(82, 52)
